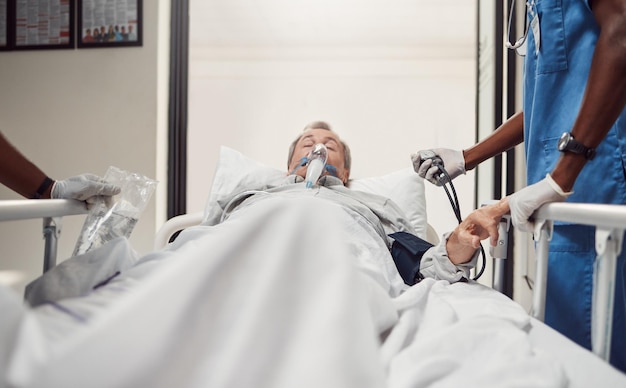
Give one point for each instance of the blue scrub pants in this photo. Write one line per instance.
(569, 290)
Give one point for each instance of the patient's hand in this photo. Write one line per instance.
(477, 226)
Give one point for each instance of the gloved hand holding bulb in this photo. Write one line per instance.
(453, 161)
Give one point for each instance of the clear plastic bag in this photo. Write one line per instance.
(104, 223)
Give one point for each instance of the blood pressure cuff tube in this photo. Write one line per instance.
(407, 251)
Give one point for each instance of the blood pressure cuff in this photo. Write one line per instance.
(407, 251)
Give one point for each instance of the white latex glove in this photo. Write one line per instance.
(86, 187)
(524, 202)
(453, 162)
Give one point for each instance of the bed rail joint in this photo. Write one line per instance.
(51, 233)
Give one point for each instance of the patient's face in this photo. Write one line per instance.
(336, 156)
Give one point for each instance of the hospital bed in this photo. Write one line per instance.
(159, 327)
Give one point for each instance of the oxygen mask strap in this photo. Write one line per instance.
(332, 170)
(303, 162)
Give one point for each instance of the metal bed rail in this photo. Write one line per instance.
(610, 222)
(51, 211)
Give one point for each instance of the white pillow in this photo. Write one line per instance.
(237, 172)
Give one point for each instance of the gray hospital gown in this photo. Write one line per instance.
(376, 217)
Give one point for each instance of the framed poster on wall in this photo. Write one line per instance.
(42, 24)
(4, 25)
(105, 23)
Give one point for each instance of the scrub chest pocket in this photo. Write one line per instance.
(552, 56)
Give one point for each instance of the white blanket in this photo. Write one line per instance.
(280, 295)
(450, 335)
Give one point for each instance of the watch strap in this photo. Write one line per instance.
(45, 184)
(577, 147)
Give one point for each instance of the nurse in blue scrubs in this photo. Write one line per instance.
(574, 131)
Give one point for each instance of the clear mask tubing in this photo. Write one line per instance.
(316, 165)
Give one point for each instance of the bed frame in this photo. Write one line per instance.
(610, 222)
(51, 211)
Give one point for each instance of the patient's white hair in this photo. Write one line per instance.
(347, 160)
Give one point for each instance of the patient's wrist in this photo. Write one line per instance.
(459, 252)
(437, 264)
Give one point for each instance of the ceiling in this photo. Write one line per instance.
(332, 23)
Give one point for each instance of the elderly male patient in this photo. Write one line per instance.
(369, 219)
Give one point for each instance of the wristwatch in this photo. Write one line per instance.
(568, 144)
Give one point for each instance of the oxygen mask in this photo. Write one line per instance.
(316, 164)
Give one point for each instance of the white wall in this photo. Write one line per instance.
(77, 111)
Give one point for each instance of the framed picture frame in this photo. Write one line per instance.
(5, 39)
(40, 24)
(103, 23)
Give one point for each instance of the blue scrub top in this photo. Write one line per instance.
(554, 84)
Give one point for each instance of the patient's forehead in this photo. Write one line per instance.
(319, 133)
